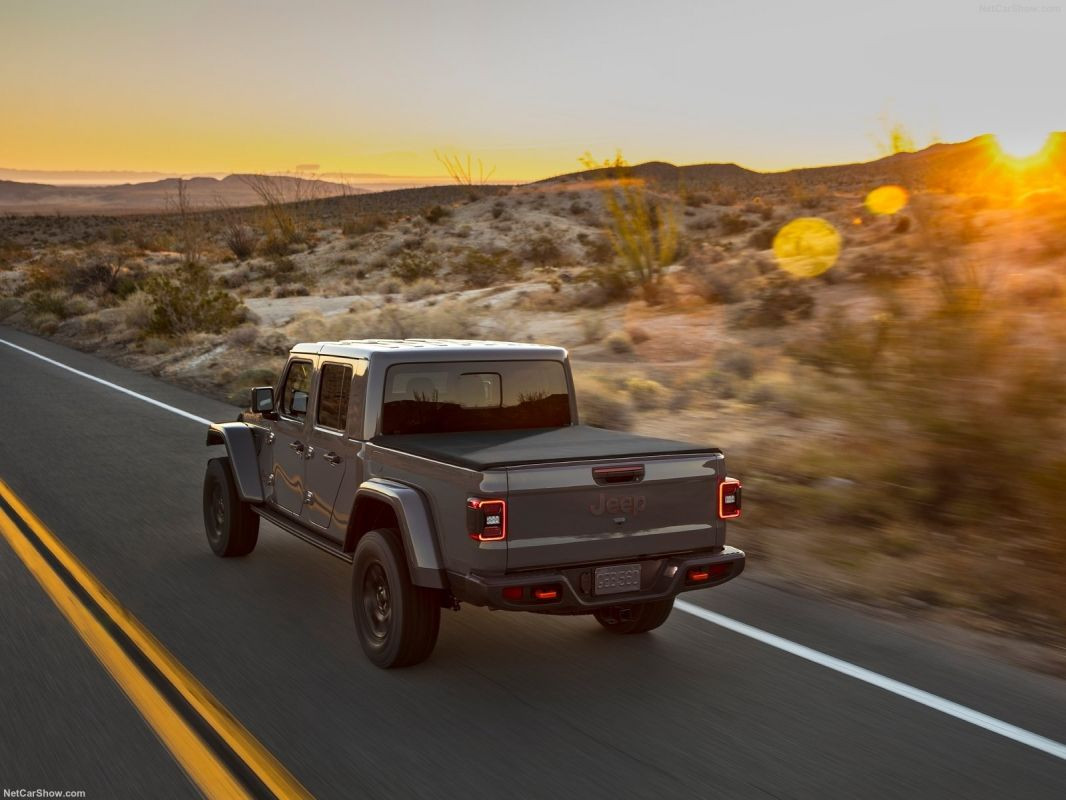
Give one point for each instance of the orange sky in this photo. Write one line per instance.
(199, 87)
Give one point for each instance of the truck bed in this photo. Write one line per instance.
(488, 449)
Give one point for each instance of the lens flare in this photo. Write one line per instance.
(807, 246)
(1023, 153)
(1021, 144)
(886, 200)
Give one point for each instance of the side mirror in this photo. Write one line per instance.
(262, 399)
(299, 402)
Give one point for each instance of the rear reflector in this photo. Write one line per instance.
(729, 498)
(710, 573)
(546, 593)
(512, 592)
(486, 519)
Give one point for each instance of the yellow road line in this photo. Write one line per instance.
(198, 761)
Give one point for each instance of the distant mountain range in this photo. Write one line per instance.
(946, 166)
(942, 165)
(203, 193)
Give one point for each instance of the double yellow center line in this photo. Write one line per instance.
(217, 753)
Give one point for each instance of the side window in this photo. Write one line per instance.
(357, 404)
(334, 384)
(296, 390)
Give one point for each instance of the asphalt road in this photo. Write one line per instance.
(510, 705)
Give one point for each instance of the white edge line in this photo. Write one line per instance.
(109, 384)
(952, 709)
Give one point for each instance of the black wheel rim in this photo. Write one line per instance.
(377, 602)
(217, 512)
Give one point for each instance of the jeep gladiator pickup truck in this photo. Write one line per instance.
(456, 471)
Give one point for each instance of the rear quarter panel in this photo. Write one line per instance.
(446, 488)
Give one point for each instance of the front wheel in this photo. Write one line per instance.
(397, 621)
(635, 617)
(232, 527)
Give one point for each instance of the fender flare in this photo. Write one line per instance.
(243, 457)
(416, 529)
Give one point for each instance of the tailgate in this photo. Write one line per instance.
(611, 510)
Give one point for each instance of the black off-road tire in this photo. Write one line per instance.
(635, 617)
(397, 622)
(232, 527)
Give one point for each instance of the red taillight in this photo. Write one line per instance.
(709, 573)
(512, 592)
(729, 498)
(546, 593)
(486, 519)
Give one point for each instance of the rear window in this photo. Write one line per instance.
(475, 396)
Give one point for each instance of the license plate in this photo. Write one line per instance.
(614, 580)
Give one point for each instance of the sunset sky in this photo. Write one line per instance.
(208, 87)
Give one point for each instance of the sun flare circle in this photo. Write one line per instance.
(886, 200)
(807, 247)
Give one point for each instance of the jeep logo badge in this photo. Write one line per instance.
(615, 504)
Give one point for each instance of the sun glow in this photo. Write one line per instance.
(1023, 150)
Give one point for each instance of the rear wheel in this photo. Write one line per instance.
(397, 621)
(635, 617)
(232, 527)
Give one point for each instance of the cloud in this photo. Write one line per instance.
(307, 168)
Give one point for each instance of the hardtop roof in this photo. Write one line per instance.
(431, 349)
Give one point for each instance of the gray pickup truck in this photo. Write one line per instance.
(456, 471)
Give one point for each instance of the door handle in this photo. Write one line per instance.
(297, 446)
(332, 458)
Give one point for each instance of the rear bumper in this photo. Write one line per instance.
(661, 577)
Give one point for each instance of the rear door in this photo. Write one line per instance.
(328, 455)
(290, 436)
(584, 512)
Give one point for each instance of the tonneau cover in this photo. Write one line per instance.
(487, 449)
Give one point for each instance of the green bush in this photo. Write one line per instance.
(487, 269)
(412, 266)
(187, 301)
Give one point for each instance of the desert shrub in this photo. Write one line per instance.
(619, 342)
(497, 209)
(903, 224)
(412, 266)
(703, 223)
(52, 302)
(722, 282)
(598, 250)
(603, 407)
(364, 223)
(187, 300)
(763, 238)
(646, 394)
(578, 208)
(423, 287)
(241, 240)
(481, 269)
(643, 232)
(235, 278)
(291, 290)
(727, 196)
(777, 299)
(243, 336)
(542, 251)
(638, 335)
(591, 328)
(733, 223)
(695, 199)
(435, 214)
(737, 362)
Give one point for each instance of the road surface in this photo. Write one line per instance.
(798, 698)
